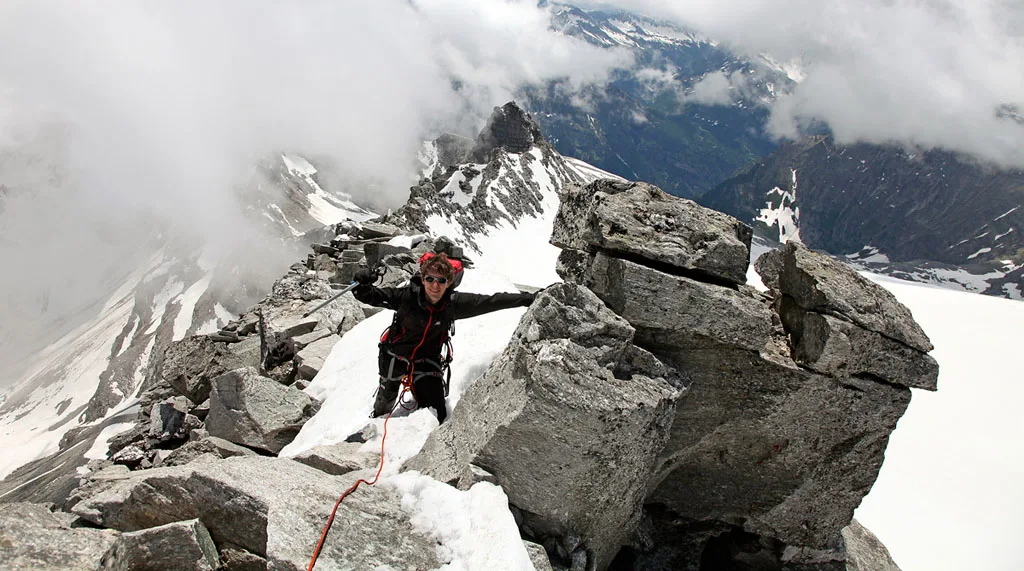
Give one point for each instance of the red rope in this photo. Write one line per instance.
(323, 535)
(406, 386)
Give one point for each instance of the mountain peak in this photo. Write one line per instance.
(509, 128)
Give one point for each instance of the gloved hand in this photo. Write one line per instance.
(365, 277)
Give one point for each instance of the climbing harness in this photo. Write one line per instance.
(440, 367)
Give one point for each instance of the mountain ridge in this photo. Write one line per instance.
(903, 207)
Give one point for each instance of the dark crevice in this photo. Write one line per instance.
(876, 379)
(696, 275)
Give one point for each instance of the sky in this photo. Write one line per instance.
(121, 121)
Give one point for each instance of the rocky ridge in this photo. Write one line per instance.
(718, 428)
(278, 346)
(508, 174)
(932, 216)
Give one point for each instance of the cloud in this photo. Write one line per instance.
(181, 97)
(713, 89)
(152, 113)
(928, 73)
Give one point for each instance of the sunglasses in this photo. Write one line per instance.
(435, 279)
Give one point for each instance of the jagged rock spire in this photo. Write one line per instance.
(509, 128)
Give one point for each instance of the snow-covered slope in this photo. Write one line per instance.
(501, 210)
(621, 29)
(93, 371)
(515, 241)
(292, 199)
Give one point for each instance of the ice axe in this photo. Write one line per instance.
(349, 288)
(380, 270)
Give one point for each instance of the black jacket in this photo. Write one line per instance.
(420, 329)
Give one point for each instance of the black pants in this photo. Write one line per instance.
(428, 391)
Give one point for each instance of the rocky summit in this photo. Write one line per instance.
(652, 411)
(741, 446)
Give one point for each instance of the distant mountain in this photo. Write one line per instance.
(100, 362)
(930, 216)
(644, 125)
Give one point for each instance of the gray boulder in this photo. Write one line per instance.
(538, 556)
(273, 508)
(568, 419)
(97, 481)
(315, 335)
(864, 551)
(209, 445)
(338, 459)
(190, 364)
(338, 316)
(687, 312)
(255, 411)
(288, 321)
(635, 219)
(311, 359)
(167, 418)
(34, 539)
(818, 283)
(860, 551)
(782, 449)
(829, 345)
(184, 545)
(237, 559)
(378, 230)
(377, 251)
(769, 266)
(783, 452)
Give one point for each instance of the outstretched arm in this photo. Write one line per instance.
(473, 304)
(387, 297)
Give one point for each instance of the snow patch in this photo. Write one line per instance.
(187, 303)
(298, 165)
(170, 291)
(1007, 213)
(589, 172)
(786, 215)
(978, 253)
(474, 528)
(102, 442)
(869, 254)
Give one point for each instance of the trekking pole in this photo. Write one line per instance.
(350, 287)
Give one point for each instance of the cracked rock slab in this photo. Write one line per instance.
(273, 508)
(636, 219)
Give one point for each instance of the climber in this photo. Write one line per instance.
(425, 311)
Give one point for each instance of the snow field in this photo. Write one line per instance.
(949, 494)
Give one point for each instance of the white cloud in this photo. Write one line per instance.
(713, 89)
(923, 73)
(657, 78)
(162, 108)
